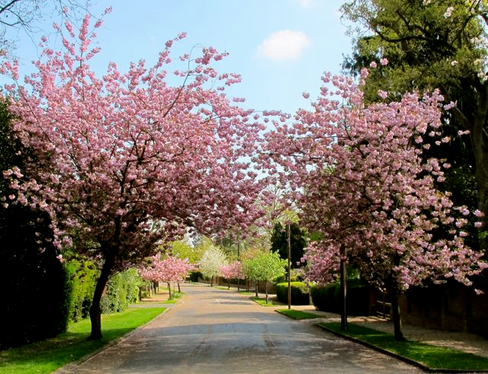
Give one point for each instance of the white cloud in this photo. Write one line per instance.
(304, 3)
(284, 45)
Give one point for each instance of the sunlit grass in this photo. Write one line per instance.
(433, 357)
(262, 301)
(51, 354)
(297, 314)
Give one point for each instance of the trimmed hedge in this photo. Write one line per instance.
(122, 290)
(328, 298)
(195, 276)
(83, 278)
(299, 293)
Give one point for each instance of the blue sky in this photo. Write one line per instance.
(280, 47)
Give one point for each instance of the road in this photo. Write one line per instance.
(218, 331)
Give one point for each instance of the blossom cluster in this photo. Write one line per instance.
(361, 180)
(170, 269)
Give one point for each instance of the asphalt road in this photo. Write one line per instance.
(217, 331)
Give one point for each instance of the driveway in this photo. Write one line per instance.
(217, 331)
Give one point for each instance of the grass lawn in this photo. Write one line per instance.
(297, 314)
(222, 288)
(261, 301)
(431, 356)
(175, 295)
(246, 293)
(51, 354)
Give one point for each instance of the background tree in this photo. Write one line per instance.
(366, 188)
(232, 271)
(183, 249)
(279, 242)
(129, 162)
(26, 16)
(266, 266)
(169, 269)
(433, 44)
(211, 263)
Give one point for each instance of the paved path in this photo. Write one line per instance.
(216, 331)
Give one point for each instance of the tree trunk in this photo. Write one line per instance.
(343, 295)
(169, 290)
(95, 311)
(256, 288)
(179, 288)
(238, 284)
(266, 288)
(288, 272)
(397, 319)
(211, 281)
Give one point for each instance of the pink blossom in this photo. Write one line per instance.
(358, 181)
(478, 213)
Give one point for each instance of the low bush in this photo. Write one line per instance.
(122, 290)
(299, 293)
(195, 276)
(34, 293)
(328, 298)
(83, 278)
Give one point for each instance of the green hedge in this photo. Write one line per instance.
(195, 276)
(83, 275)
(299, 293)
(122, 290)
(328, 298)
(34, 292)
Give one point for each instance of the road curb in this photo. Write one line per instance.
(393, 354)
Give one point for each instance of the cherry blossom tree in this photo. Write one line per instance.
(232, 271)
(362, 183)
(130, 161)
(212, 262)
(170, 269)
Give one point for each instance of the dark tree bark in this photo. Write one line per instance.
(95, 311)
(169, 290)
(266, 288)
(397, 319)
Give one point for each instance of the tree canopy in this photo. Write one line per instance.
(359, 178)
(431, 44)
(126, 161)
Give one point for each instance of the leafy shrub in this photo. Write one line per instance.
(328, 298)
(122, 290)
(83, 276)
(34, 293)
(299, 293)
(195, 275)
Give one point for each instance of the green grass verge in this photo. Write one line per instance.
(261, 301)
(175, 296)
(431, 356)
(297, 314)
(246, 293)
(51, 354)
